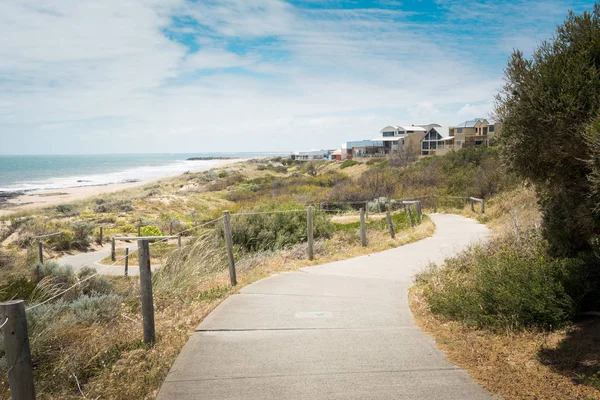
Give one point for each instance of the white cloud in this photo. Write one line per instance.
(84, 76)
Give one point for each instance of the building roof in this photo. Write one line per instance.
(469, 124)
(405, 128)
(442, 130)
(388, 138)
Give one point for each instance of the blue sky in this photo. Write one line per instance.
(244, 75)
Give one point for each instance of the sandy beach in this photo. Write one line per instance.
(47, 198)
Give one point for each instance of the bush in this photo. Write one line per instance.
(348, 163)
(64, 208)
(150, 231)
(509, 283)
(82, 232)
(104, 206)
(276, 231)
(92, 309)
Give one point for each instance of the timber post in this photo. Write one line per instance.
(229, 245)
(16, 347)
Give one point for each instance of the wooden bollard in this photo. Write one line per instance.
(482, 206)
(178, 241)
(310, 233)
(101, 236)
(390, 223)
(16, 347)
(113, 254)
(41, 251)
(171, 228)
(146, 290)
(139, 229)
(409, 212)
(419, 211)
(472, 205)
(363, 230)
(126, 260)
(229, 245)
(434, 204)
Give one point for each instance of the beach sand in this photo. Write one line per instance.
(47, 198)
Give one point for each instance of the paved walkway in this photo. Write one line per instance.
(90, 259)
(336, 331)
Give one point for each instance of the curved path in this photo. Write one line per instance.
(92, 258)
(336, 331)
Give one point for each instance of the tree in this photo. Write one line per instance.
(548, 110)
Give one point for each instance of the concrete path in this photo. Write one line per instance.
(336, 331)
(92, 258)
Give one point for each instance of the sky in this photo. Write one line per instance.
(170, 76)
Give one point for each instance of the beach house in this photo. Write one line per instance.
(474, 132)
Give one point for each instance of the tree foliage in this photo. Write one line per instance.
(548, 110)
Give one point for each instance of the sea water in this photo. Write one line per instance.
(26, 173)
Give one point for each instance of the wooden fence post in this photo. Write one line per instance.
(140, 229)
(472, 204)
(146, 289)
(16, 347)
(113, 253)
(178, 241)
(434, 203)
(171, 228)
(409, 212)
(390, 223)
(41, 251)
(363, 230)
(100, 238)
(310, 233)
(229, 244)
(482, 206)
(126, 260)
(419, 211)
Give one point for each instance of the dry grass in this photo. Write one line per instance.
(111, 362)
(526, 365)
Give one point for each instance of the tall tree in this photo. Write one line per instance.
(547, 108)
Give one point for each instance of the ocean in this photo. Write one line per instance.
(30, 173)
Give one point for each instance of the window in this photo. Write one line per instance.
(491, 128)
(388, 134)
(485, 130)
(459, 130)
(458, 143)
(425, 145)
(433, 145)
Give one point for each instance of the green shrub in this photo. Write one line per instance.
(275, 231)
(90, 309)
(64, 208)
(64, 273)
(150, 231)
(16, 288)
(507, 283)
(348, 163)
(222, 174)
(82, 232)
(96, 285)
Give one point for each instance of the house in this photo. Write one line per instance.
(396, 138)
(474, 132)
(437, 141)
(311, 155)
(337, 155)
(365, 148)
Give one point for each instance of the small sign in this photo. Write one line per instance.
(314, 314)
